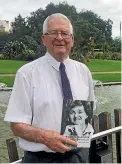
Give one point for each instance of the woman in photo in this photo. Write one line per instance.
(78, 123)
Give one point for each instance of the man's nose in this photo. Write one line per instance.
(59, 36)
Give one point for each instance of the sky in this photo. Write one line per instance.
(9, 9)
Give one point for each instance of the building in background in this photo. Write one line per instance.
(4, 26)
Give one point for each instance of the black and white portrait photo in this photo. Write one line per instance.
(76, 121)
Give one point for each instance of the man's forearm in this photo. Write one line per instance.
(52, 139)
(28, 132)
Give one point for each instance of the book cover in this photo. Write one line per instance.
(76, 121)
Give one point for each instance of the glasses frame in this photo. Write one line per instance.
(57, 33)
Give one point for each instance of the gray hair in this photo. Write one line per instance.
(45, 24)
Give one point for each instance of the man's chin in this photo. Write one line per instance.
(60, 55)
(60, 52)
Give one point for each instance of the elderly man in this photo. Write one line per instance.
(35, 106)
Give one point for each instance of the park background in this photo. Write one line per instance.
(94, 46)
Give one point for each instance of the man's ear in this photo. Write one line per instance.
(72, 40)
(43, 39)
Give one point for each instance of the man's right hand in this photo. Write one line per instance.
(57, 142)
(51, 139)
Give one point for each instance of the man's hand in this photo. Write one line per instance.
(51, 139)
(57, 142)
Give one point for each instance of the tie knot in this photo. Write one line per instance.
(62, 66)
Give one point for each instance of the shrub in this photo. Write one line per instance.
(13, 49)
(1, 56)
(84, 58)
(108, 55)
(27, 55)
(98, 55)
(116, 56)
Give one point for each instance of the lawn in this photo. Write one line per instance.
(9, 80)
(108, 77)
(10, 66)
(96, 65)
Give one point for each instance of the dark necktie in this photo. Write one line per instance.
(67, 93)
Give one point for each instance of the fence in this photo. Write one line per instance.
(101, 150)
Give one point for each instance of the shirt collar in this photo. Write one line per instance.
(53, 62)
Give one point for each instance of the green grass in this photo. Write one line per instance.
(9, 80)
(10, 66)
(96, 65)
(107, 77)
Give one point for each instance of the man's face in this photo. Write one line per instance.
(58, 46)
(78, 115)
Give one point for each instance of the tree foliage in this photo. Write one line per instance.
(3, 39)
(12, 49)
(86, 24)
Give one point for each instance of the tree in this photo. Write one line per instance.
(12, 49)
(3, 39)
(64, 8)
(83, 30)
(86, 24)
(115, 45)
(30, 42)
(19, 27)
(104, 28)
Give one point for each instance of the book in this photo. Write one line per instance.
(76, 121)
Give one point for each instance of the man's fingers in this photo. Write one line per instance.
(59, 143)
(58, 149)
(55, 147)
(61, 148)
(65, 148)
(69, 141)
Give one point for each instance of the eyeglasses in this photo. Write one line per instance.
(54, 34)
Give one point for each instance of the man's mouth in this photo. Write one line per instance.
(59, 45)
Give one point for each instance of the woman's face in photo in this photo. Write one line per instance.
(77, 115)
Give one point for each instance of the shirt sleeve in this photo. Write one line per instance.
(19, 107)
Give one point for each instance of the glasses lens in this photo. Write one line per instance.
(55, 35)
(65, 35)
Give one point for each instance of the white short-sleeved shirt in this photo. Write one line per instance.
(37, 94)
